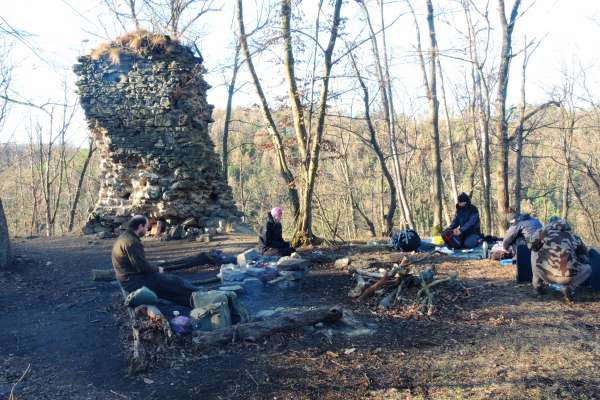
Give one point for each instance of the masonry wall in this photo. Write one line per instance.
(148, 115)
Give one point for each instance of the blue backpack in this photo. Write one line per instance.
(405, 240)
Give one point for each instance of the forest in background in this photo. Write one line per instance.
(333, 136)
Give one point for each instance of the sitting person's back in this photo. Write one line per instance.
(521, 231)
(271, 236)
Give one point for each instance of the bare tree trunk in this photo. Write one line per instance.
(385, 90)
(86, 163)
(284, 170)
(230, 92)
(450, 141)
(434, 113)
(389, 216)
(501, 123)
(481, 111)
(309, 147)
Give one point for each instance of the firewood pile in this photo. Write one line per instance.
(408, 288)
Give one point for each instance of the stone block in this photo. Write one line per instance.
(342, 262)
(247, 256)
(293, 264)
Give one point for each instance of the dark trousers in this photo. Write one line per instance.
(166, 286)
(278, 251)
(463, 241)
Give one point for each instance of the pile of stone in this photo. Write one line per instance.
(144, 99)
(252, 268)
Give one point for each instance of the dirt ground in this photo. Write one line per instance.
(62, 335)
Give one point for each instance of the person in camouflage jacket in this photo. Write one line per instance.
(559, 256)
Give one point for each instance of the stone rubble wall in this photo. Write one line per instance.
(149, 118)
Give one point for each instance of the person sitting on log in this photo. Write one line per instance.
(133, 270)
(559, 256)
(271, 239)
(465, 230)
(521, 231)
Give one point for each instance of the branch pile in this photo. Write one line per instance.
(404, 286)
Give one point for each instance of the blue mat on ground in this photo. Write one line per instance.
(468, 254)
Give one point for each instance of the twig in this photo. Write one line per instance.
(12, 390)
(119, 394)
(253, 380)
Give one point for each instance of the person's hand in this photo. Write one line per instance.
(161, 270)
(456, 231)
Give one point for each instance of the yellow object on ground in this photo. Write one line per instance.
(437, 240)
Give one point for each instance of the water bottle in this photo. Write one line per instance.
(506, 262)
(484, 248)
(555, 286)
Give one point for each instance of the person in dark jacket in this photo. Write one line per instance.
(522, 229)
(271, 236)
(465, 230)
(133, 270)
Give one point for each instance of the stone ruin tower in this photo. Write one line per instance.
(144, 99)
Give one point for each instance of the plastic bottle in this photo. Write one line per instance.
(506, 262)
(556, 286)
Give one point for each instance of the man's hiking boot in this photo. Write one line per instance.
(541, 290)
(568, 293)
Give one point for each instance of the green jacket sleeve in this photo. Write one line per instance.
(137, 258)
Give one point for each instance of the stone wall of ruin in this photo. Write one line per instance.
(147, 112)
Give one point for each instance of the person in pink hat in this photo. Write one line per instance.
(271, 237)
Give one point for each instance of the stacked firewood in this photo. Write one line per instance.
(391, 283)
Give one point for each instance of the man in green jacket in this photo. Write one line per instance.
(133, 270)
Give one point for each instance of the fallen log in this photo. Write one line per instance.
(386, 278)
(252, 331)
(206, 281)
(103, 275)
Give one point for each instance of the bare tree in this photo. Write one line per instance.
(283, 167)
(309, 143)
(506, 56)
(385, 90)
(430, 84)
(75, 203)
(230, 93)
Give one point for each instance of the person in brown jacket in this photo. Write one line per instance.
(133, 270)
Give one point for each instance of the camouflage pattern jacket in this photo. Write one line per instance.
(560, 251)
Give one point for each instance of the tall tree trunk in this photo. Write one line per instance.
(389, 216)
(86, 163)
(434, 114)
(308, 147)
(501, 123)
(230, 92)
(284, 170)
(449, 139)
(481, 112)
(385, 90)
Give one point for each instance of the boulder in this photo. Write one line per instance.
(342, 262)
(248, 255)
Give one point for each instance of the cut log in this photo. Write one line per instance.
(358, 289)
(206, 281)
(387, 278)
(252, 331)
(103, 275)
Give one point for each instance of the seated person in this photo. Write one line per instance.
(133, 270)
(522, 229)
(559, 256)
(271, 239)
(465, 230)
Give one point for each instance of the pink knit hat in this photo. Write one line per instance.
(276, 213)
